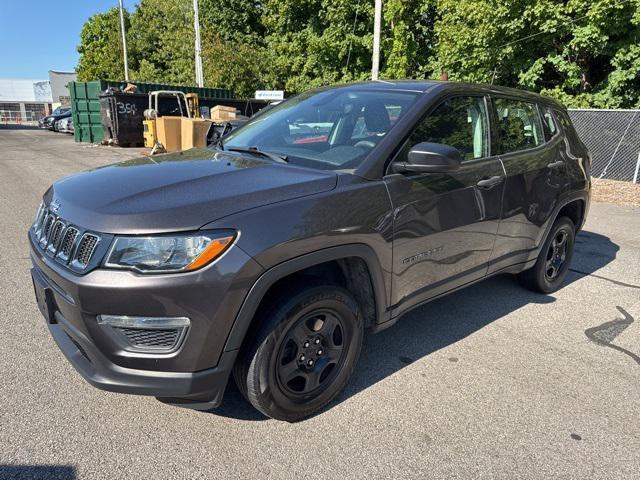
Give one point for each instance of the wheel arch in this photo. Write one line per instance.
(575, 210)
(340, 254)
(567, 205)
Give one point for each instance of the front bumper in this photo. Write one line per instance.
(203, 389)
(196, 374)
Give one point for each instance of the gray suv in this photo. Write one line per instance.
(268, 255)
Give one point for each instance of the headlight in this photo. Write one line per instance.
(168, 253)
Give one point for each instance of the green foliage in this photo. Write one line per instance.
(583, 52)
(239, 66)
(101, 48)
(161, 40)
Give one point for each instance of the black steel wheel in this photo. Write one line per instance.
(302, 354)
(556, 254)
(552, 265)
(312, 352)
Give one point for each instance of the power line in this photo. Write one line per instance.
(353, 32)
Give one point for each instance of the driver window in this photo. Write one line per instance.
(459, 122)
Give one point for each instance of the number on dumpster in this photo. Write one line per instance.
(126, 108)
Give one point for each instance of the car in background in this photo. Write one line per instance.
(65, 125)
(56, 124)
(59, 113)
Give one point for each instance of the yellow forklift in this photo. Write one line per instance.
(169, 129)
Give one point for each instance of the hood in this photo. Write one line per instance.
(179, 192)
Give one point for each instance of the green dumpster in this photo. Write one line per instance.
(85, 103)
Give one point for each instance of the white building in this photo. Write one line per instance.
(23, 100)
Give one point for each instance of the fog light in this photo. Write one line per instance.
(146, 334)
(123, 321)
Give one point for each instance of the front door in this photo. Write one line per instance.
(445, 224)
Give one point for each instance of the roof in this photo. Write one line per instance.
(422, 86)
(24, 90)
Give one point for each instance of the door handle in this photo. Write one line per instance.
(557, 164)
(487, 183)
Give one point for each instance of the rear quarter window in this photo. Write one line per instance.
(548, 122)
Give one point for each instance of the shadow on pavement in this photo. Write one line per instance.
(37, 472)
(592, 252)
(441, 323)
(13, 126)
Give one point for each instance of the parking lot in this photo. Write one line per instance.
(489, 382)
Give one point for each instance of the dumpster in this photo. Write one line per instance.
(85, 103)
(122, 115)
(85, 107)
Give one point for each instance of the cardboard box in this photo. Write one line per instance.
(222, 113)
(169, 132)
(194, 132)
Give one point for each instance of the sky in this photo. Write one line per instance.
(42, 35)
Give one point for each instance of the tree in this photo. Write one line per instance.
(232, 20)
(318, 42)
(408, 38)
(242, 67)
(583, 52)
(162, 40)
(100, 47)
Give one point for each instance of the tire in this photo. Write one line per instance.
(552, 265)
(302, 354)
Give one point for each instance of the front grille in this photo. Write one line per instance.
(86, 248)
(165, 339)
(67, 244)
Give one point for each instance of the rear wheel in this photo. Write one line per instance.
(552, 265)
(302, 354)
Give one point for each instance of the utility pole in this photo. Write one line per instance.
(375, 68)
(124, 42)
(196, 27)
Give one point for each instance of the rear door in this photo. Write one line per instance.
(445, 223)
(532, 153)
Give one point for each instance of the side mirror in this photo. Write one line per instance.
(430, 158)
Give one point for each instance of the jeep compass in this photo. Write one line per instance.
(267, 256)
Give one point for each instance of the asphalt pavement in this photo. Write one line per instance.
(490, 382)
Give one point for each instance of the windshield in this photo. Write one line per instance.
(329, 129)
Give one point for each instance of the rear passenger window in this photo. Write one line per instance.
(459, 122)
(519, 125)
(548, 123)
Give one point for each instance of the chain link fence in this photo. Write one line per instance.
(613, 138)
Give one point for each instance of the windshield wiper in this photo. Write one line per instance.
(271, 156)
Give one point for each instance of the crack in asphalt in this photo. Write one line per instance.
(606, 333)
(617, 282)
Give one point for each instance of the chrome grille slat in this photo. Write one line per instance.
(46, 229)
(55, 236)
(86, 247)
(67, 243)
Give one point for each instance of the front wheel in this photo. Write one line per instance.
(552, 265)
(303, 353)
